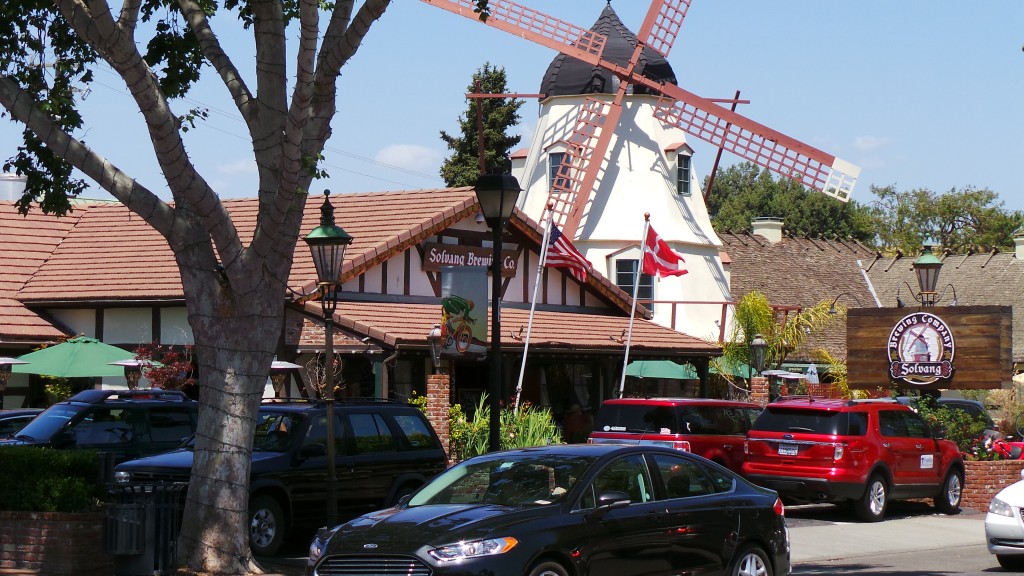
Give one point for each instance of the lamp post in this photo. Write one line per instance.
(434, 340)
(6, 363)
(758, 346)
(327, 243)
(497, 195)
(927, 267)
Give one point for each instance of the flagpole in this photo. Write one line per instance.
(632, 308)
(549, 218)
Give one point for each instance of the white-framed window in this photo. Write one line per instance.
(625, 274)
(554, 161)
(683, 174)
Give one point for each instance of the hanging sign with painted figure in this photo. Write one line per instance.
(463, 318)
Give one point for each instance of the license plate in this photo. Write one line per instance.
(788, 450)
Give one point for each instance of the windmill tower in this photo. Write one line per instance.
(611, 145)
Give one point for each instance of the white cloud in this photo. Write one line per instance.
(240, 167)
(865, 143)
(411, 157)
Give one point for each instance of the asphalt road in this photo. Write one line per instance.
(826, 540)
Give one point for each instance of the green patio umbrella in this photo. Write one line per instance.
(738, 369)
(661, 369)
(78, 357)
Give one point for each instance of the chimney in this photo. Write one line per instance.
(1018, 241)
(769, 227)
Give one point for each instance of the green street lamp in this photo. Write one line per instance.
(497, 195)
(327, 243)
(927, 267)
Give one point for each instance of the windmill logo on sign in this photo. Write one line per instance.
(587, 147)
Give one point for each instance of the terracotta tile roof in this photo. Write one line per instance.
(394, 324)
(987, 278)
(112, 254)
(801, 271)
(25, 243)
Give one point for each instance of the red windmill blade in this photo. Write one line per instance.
(572, 188)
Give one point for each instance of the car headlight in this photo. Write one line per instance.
(319, 543)
(122, 477)
(1001, 508)
(473, 549)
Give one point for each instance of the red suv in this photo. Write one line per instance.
(859, 451)
(714, 429)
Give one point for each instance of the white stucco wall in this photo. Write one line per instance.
(638, 178)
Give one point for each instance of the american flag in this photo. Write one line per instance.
(562, 254)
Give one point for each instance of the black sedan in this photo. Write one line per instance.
(596, 509)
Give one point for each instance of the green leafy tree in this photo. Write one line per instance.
(745, 191)
(497, 116)
(958, 220)
(233, 280)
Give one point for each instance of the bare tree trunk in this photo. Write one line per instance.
(235, 337)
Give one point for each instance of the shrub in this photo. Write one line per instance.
(44, 480)
(529, 426)
(955, 425)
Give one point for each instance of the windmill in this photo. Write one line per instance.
(572, 188)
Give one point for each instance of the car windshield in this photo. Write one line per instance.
(513, 480)
(51, 420)
(813, 421)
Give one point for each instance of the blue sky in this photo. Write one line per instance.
(919, 94)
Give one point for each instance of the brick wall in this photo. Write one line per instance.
(53, 543)
(984, 479)
(438, 392)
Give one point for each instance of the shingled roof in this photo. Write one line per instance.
(801, 271)
(976, 278)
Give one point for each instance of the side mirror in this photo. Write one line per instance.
(608, 501)
(313, 450)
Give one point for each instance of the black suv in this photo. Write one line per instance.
(123, 423)
(384, 450)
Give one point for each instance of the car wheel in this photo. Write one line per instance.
(871, 506)
(751, 561)
(548, 568)
(948, 499)
(1011, 562)
(266, 526)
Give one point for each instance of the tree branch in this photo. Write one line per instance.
(129, 16)
(214, 53)
(129, 192)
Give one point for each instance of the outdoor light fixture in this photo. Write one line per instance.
(434, 340)
(497, 195)
(6, 363)
(327, 243)
(758, 346)
(133, 370)
(832, 307)
(279, 373)
(927, 267)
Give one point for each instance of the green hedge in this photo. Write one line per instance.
(45, 480)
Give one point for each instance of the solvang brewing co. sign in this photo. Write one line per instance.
(951, 347)
(437, 256)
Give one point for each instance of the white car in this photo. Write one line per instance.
(1004, 526)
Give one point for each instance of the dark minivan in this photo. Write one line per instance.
(384, 450)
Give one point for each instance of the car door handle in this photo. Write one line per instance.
(886, 445)
(918, 446)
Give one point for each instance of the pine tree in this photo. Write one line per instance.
(497, 115)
